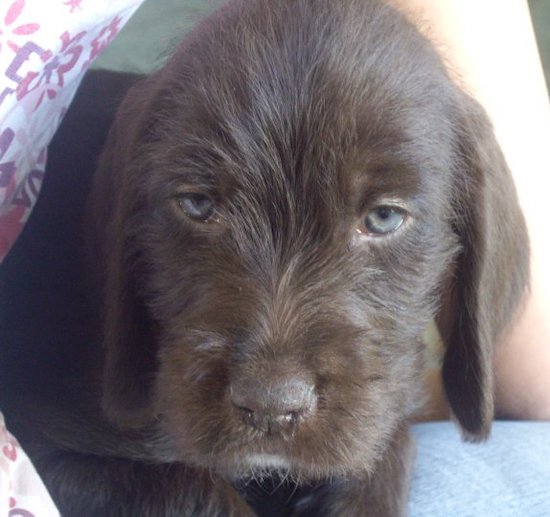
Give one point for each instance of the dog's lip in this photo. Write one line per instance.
(267, 461)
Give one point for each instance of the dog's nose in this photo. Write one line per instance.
(276, 405)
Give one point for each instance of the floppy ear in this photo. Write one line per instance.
(490, 275)
(113, 217)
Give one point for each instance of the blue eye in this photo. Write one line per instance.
(196, 206)
(382, 220)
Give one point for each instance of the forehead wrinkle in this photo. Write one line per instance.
(266, 93)
(276, 106)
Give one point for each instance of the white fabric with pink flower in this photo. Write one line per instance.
(45, 48)
(22, 493)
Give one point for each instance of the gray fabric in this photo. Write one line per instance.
(507, 476)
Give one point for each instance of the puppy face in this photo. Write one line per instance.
(286, 204)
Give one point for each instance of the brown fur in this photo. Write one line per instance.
(295, 117)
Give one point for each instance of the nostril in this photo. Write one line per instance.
(295, 398)
(288, 419)
(242, 398)
(273, 405)
(248, 416)
(268, 422)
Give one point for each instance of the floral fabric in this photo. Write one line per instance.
(45, 48)
(22, 493)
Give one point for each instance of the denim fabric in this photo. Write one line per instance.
(507, 476)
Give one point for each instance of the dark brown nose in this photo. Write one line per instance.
(272, 406)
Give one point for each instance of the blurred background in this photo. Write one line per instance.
(540, 15)
(158, 26)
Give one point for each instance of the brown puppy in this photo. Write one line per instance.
(279, 212)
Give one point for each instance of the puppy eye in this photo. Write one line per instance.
(196, 206)
(382, 220)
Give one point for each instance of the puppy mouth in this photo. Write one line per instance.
(257, 465)
(258, 458)
(239, 453)
(267, 461)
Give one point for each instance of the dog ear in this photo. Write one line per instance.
(490, 275)
(113, 218)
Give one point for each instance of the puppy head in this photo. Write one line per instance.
(283, 208)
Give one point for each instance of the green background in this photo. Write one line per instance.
(158, 25)
(540, 14)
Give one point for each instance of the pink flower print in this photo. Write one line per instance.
(28, 191)
(105, 36)
(19, 512)
(10, 450)
(12, 14)
(7, 169)
(22, 54)
(11, 224)
(53, 74)
(73, 5)
(28, 188)
(22, 197)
